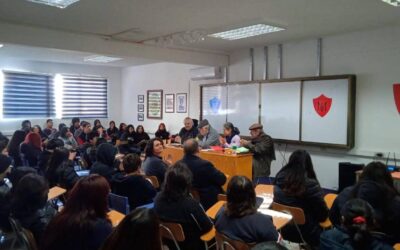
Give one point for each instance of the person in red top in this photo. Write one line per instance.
(86, 136)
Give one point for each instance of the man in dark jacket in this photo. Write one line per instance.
(187, 132)
(207, 180)
(262, 147)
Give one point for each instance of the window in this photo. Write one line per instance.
(84, 96)
(26, 95)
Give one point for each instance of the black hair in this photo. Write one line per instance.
(358, 219)
(63, 132)
(49, 120)
(235, 130)
(56, 159)
(178, 182)
(241, 197)
(150, 146)
(54, 143)
(61, 125)
(303, 157)
(138, 230)
(75, 120)
(131, 163)
(3, 142)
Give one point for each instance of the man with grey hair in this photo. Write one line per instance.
(208, 135)
(262, 147)
(207, 180)
(187, 132)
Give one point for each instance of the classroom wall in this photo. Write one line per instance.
(113, 74)
(373, 57)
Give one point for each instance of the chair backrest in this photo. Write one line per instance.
(153, 180)
(296, 212)
(222, 197)
(329, 199)
(24, 236)
(172, 231)
(119, 203)
(226, 243)
(195, 194)
(264, 188)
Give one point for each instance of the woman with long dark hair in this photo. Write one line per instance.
(83, 224)
(138, 230)
(153, 164)
(356, 230)
(162, 132)
(122, 129)
(297, 186)
(68, 138)
(14, 147)
(141, 137)
(231, 136)
(175, 204)
(29, 204)
(376, 187)
(129, 135)
(113, 132)
(239, 220)
(31, 148)
(60, 169)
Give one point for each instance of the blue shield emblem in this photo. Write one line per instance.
(215, 103)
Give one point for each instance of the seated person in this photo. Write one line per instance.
(44, 157)
(48, 130)
(60, 169)
(187, 132)
(5, 169)
(83, 224)
(86, 136)
(68, 138)
(356, 230)
(105, 164)
(3, 144)
(38, 130)
(239, 219)
(231, 136)
(14, 147)
(207, 180)
(133, 184)
(75, 125)
(141, 137)
(294, 187)
(113, 132)
(208, 136)
(175, 204)
(29, 204)
(376, 187)
(153, 164)
(31, 148)
(138, 230)
(162, 132)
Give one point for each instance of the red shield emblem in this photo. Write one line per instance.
(396, 93)
(322, 105)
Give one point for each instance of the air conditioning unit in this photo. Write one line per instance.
(206, 73)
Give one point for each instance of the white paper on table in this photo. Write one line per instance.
(274, 213)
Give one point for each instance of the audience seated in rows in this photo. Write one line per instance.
(175, 204)
(239, 219)
(133, 184)
(83, 224)
(376, 187)
(207, 180)
(356, 230)
(138, 230)
(154, 165)
(296, 185)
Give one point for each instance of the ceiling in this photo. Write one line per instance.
(139, 20)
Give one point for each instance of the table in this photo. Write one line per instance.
(230, 165)
(115, 217)
(55, 192)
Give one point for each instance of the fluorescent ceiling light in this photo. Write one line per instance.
(101, 59)
(395, 3)
(55, 3)
(244, 32)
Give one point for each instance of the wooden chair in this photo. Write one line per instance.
(264, 188)
(172, 231)
(153, 180)
(397, 246)
(329, 199)
(226, 243)
(298, 217)
(222, 197)
(23, 236)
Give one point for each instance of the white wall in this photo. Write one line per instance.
(373, 57)
(113, 74)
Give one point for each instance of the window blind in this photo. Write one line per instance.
(28, 95)
(84, 96)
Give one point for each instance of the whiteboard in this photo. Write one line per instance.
(214, 103)
(243, 106)
(330, 125)
(280, 109)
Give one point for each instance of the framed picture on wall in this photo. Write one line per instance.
(140, 117)
(181, 103)
(169, 103)
(154, 104)
(140, 98)
(140, 107)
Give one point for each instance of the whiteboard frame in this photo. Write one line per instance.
(350, 107)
